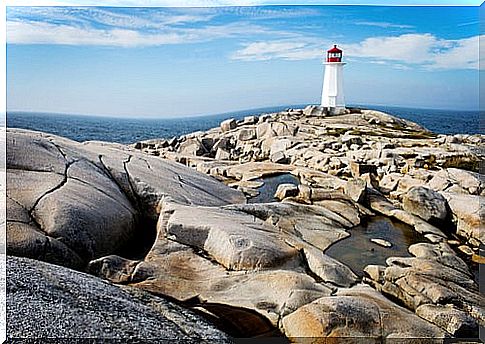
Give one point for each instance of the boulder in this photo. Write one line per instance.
(271, 129)
(468, 213)
(246, 134)
(264, 130)
(426, 203)
(358, 312)
(49, 302)
(228, 125)
(286, 190)
(225, 236)
(359, 169)
(248, 120)
(279, 158)
(222, 154)
(450, 318)
(355, 189)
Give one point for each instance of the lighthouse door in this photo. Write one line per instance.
(332, 101)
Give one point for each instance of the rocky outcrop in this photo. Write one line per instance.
(436, 283)
(265, 259)
(261, 269)
(69, 203)
(48, 302)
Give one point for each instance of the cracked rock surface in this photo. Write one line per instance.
(69, 203)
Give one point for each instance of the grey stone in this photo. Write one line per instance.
(426, 203)
(79, 202)
(49, 302)
(279, 158)
(192, 146)
(246, 134)
(451, 319)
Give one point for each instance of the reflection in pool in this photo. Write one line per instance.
(357, 251)
(267, 191)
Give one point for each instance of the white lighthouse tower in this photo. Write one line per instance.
(333, 82)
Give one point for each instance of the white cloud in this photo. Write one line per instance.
(282, 49)
(419, 49)
(32, 32)
(136, 3)
(385, 25)
(88, 16)
(401, 52)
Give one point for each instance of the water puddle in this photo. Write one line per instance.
(358, 251)
(267, 191)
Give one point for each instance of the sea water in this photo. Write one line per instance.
(128, 130)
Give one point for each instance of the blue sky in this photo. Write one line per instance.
(190, 61)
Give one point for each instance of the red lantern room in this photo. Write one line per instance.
(334, 54)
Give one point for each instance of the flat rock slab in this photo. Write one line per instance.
(50, 302)
(236, 240)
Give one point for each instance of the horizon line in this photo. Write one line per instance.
(292, 106)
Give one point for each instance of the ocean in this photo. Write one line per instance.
(128, 130)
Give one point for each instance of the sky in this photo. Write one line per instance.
(166, 61)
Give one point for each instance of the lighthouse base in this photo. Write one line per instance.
(338, 110)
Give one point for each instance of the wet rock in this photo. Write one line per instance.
(426, 203)
(381, 242)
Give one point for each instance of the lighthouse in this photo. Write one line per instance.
(333, 83)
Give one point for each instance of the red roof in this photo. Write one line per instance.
(334, 49)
